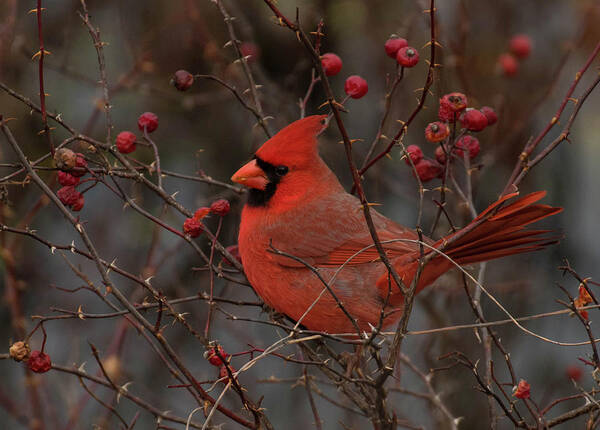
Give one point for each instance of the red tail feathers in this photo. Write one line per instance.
(497, 232)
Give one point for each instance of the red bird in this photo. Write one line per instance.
(297, 205)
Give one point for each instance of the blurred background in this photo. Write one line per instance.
(206, 129)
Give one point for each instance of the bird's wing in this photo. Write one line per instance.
(332, 231)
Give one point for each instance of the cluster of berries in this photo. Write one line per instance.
(356, 86)
(215, 356)
(72, 167)
(452, 108)
(37, 361)
(194, 227)
(520, 48)
(397, 48)
(126, 140)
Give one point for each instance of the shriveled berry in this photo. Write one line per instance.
(522, 390)
(520, 46)
(80, 166)
(223, 373)
(19, 351)
(220, 207)
(78, 205)
(428, 170)
(68, 195)
(65, 159)
(393, 44)
(407, 56)
(234, 250)
(473, 120)
(39, 362)
(508, 64)
(182, 80)
(469, 144)
(213, 357)
(415, 154)
(332, 64)
(356, 87)
(149, 121)
(201, 213)
(126, 142)
(251, 51)
(66, 179)
(490, 114)
(440, 155)
(193, 227)
(437, 131)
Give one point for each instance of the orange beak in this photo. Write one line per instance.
(250, 175)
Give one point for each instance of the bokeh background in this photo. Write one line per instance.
(206, 129)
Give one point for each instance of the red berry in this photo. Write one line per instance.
(213, 358)
(490, 114)
(428, 170)
(437, 131)
(250, 50)
(440, 155)
(220, 207)
(182, 80)
(508, 64)
(66, 179)
(193, 227)
(39, 362)
(393, 44)
(78, 205)
(522, 390)
(149, 121)
(201, 213)
(574, 373)
(407, 56)
(80, 166)
(126, 142)
(68, 195)
(473, 120)
(468, 143)
(235, 253)
(454, 101)
(415, 154)
(520, 45)
(332, 64)
(356, 87)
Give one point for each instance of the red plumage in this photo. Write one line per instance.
(310, 215)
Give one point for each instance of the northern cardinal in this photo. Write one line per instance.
(297, 205)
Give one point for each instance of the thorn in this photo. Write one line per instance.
(52, 249)
(79, 228)
(39, 53)
(73, 246)
(147, 281)
(82, 367)
(389, 156)
(80, 313)
(123, 389)
(35, 10)
(174, 194)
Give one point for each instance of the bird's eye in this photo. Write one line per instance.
(281, 170)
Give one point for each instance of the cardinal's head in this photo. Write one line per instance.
(287, 166)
